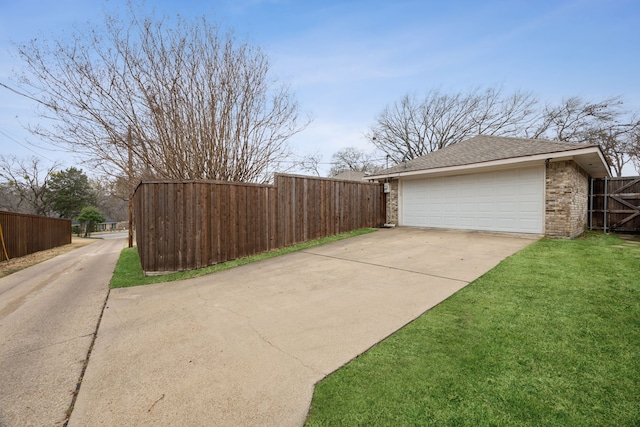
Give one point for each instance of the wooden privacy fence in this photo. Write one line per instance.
(182, 225)
(615, 204)
(25, 234)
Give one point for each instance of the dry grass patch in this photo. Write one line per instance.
(16, 264)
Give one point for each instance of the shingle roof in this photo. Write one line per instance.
(350, 176)
(483, 148)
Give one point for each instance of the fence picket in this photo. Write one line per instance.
(25, 234)
(615, 204)
(182, 225)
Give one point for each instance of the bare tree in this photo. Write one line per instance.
(634, 149)
(171, 98)
(26, 185)
(353, 159)
(413, 126)
(605, 123)
(9, 199)
(574, 118)
(309, 163)
(617, 143)
(108, 200)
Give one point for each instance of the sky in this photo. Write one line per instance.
(346, 60)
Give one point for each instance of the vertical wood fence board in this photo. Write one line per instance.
(217, 213)
(241, 215)
(215, 224)
(224, 222)
(171, 227)
(190, 219)
(191, 224)
(178, 200)
(277, 214)
(205, 222)
(155, 209)
(273, 223)
(25, 234)
(615, 204)
(165, 202)
(146, 255)
(283, 197)
(182, 205)
(194, 231)
(150, 246)
(232, 225)
(138, 218)
(162, 201)
(293, 227)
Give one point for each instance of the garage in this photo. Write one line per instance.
(496, 183)
(508, 201)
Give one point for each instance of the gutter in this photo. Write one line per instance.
(509, 163)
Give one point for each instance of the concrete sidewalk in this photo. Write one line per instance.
(244, 347)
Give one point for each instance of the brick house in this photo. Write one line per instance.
(490, 183)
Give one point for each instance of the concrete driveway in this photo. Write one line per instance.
(245, 347)
(48, 317)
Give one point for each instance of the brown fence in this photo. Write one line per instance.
(615, 205)
(181, 225)
(25, 234)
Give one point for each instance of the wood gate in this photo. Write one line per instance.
(614, 205)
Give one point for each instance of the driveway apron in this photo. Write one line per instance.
(48, 316)
(244, 347)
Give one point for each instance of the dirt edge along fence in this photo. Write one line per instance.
(614, 205)
(183, 225)
(24, 234)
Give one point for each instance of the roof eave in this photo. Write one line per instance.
(591, 159)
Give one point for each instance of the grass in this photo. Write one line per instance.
(128, 271)
(550, 337)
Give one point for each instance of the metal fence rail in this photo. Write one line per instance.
(25, 234)
(182, 225)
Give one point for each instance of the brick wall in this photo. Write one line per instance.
(567, 194)
(392, 203)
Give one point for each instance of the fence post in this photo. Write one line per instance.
(604, 213)
(591, 205)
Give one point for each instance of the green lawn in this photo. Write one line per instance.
(550, 337)
(128, 271)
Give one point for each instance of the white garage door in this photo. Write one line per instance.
(511, 201)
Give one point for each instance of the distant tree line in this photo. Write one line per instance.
(416, 125)
(26, 186)
(147, 96)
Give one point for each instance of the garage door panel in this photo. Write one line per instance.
(529, 206)
(495, 201)
(506, 207)
(484, 207)
(467, 209)
(529, 189)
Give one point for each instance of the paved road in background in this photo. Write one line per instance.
(113, 235)
(48, 315)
